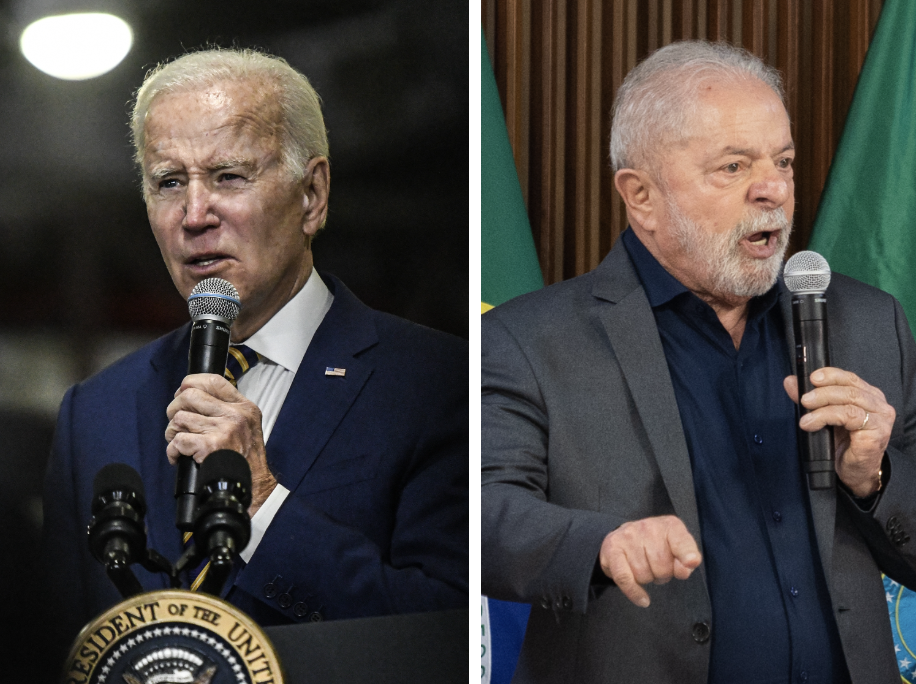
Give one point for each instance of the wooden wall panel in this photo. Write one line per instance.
(559, 63)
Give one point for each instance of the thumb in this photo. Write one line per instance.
(790, 383)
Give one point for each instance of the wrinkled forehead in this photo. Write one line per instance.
(720, 108)
(718, 100)
(245, 107)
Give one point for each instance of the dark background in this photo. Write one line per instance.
(81, 277)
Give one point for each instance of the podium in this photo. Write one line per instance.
(397, 649)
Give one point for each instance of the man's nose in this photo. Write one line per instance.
(772, 187)
(199, 210)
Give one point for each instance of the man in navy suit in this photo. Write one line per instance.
(354, 422)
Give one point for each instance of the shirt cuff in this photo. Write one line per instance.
(262, 519)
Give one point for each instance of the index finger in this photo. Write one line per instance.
(829, 375)
(214, 385)
(618, 569)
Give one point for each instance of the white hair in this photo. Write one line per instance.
(657, 99)
(303, 135)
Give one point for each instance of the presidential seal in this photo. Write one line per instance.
(172, 637)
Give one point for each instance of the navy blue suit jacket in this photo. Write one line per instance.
(376, 463)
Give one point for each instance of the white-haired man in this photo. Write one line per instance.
(639, 426)
(354, 422)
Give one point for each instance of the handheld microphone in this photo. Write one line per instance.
(222, 527)
(117, 538)
(213, 305)
(807, 276)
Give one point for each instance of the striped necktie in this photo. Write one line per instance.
(241, 359)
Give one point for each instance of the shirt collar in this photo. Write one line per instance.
(286, 336)
(661, 287)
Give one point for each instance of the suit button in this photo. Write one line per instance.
(270, 589)
(701, 632)
(892, 524)
(567, 603)
(285, 600)
(316, 617)
(300, 609)
(545, 603)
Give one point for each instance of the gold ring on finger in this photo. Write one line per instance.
(864, 422)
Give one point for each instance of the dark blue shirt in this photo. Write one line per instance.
(772, 619)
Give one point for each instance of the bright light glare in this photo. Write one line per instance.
(76, 46)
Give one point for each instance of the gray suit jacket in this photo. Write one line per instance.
(581, 433)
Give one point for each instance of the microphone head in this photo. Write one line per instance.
(118, 482)
(807, 273)
(214, 297)
(226, 470)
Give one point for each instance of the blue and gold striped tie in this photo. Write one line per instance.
(241, 359)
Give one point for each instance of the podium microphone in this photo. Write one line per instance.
(222, 527)
(213, 305)
(807, 276)
(117, 538)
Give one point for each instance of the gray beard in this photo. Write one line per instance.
(727, 269)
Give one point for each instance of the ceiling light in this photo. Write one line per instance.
(76, 46)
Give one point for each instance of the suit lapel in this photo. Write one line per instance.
(630, 326)
(316, 402)
(314, 407)
(169, 366)
(823, 502)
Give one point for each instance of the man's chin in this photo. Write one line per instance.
(755, 279)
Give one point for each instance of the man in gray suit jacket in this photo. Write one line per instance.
(638, 424)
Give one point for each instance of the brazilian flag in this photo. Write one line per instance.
(508, 268)
(864, 226)
(508, 261)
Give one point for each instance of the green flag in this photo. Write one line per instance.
(865, 223)
(864, 226)
(508, 268)
(508, 261)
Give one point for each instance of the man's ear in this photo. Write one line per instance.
(640, 193)
(317, 182)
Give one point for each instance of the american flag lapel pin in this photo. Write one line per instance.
(339, 372)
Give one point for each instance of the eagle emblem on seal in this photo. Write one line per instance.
(170, 665)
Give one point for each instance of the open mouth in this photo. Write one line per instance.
(205, 260)
(760, 239)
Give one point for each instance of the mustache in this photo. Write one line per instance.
(763, 222)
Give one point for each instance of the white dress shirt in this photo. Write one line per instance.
(282, 343)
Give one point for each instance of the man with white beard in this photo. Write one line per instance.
(638, 422)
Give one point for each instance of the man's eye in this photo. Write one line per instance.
(734, 167)
(785, 163)
(229, 176)
(168, 183)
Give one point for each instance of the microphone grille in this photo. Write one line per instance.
(214, 297)
(807, 272)
(227, 466)
(119, 477)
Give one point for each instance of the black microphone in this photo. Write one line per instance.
(213, 304)
(222, 527)
(117, 537)
(807, 276)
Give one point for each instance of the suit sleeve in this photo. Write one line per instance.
(380, 536)
(887, 528)
(531, 550)
(63, 544)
